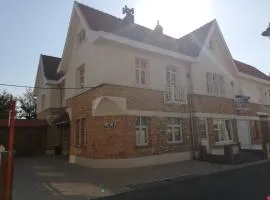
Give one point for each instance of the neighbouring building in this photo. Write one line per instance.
(123, 95)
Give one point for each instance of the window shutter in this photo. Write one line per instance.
(221, 85)
(209, 82)
(215, 84)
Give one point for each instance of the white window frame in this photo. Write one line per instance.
(209, 82)
(43, 99)
(215, 84)
(140, 127)
(222, 128)
(203, 120)
(80, 77)
(173, 126)
(142, 67)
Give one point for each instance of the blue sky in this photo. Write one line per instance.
(31, 27)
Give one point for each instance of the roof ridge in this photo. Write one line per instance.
(197, 29)
(97, 10)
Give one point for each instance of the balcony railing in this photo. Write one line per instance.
(175, 94)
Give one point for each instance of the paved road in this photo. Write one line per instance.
(250, 183)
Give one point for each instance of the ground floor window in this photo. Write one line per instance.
(80, 132)
(203, 127)
(174, 130)
(141, 131)
(222, 129)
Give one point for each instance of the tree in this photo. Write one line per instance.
(27, 105)
(4, 100)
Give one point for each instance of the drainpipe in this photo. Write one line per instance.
(190, 110)
(191, 125)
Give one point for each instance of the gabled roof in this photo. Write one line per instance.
(189, 45)
(50, 65)
(250, 70)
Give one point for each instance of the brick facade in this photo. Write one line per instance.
(211, 104)
(120, 142)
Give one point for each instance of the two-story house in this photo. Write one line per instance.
(135, 96)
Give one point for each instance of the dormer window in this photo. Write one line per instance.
(81, 37)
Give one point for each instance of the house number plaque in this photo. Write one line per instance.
(110, 125)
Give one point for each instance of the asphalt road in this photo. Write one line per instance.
(249, 183)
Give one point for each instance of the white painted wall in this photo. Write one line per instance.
(215, 60)
(251, 88)
(40, 92)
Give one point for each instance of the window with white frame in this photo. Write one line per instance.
(203, 128)
(80, 77)
(80, 133)
(223, 130)
(215, 83)
(174, 130)
(43, 98)
(81, 37)
(141, 131)
(142, 71)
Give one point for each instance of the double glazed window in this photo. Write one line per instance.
(141, 131)
(222, 130)
(142, 71)
(80, 76)
(215, 84)
(174, 130)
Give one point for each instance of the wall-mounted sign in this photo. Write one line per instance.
(110, 125)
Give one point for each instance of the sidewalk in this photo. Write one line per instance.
(53, 178)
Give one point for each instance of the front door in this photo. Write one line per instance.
(204, 133)
(244, 134)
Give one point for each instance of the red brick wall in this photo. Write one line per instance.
(210, 104)
(120, 142)
(143, 99)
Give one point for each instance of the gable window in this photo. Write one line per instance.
(215, 84)
(203, 128)
(142, 71)
(222, 130)
(80, 133)
(174, 130)
(141, 131)
(43, 101)
(81, 37)
(80, 77)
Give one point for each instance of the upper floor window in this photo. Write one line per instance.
(80, 76)
(141, 131)
(142, 71)
(171, 76)
(43, 101)
(81, 37)
(215, 83)
(174, 130)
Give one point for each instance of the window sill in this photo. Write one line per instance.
(175, 142)
(146, 86)
(141, 145)
(224, 143)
